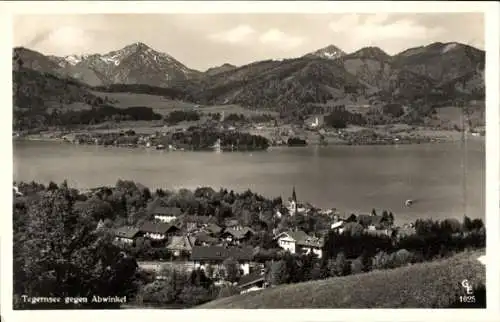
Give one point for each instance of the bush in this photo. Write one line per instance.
(338, 267)
(231, 269)
(194, 295)
(400, 258)
(381, 260)
(158, 292)
(357, 266)
(353, 229)
(227, 291)
(279, 273)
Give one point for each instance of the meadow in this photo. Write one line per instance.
(424, 285)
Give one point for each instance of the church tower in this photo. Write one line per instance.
(292, 208)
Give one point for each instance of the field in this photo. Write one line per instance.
(425, 285)
(163, 106)
(452, 116)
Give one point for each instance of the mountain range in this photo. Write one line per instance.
(439, 72)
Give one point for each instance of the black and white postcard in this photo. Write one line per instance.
(276, 155)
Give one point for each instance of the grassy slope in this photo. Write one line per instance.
(428, 285)
(164, 105)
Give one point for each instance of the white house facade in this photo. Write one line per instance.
(165, 218)
(287, 243)
(298, 242)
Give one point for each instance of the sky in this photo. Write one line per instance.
(201, 41)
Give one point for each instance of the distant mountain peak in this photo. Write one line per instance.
(220, 69)
(328, 52)
(372, 52)
(137, 46)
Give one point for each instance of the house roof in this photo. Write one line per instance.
(221, 253)
(238, 234)
(367, 220)
(195, 219)
(337, 224)
(157, 228)
(303, 239)
(214, 229)
(166, 211)
(126, 232)
(231, 222)
(251, 278)
(182, 243)
(379, 232)
(311, 242)
(205, 238)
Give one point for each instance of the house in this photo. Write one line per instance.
(213, 229)
(157, 267)
(338, 226)
(298, 242)
(236, 237)
(126, 234)
(232, 224)
(159, 211)
(181, 245)
(252, 282)
(158, 231)
(387, 232)
(370, 222)
(204, 239)
(192, 223)
(16, 191)
(214, 256)
(166, 214)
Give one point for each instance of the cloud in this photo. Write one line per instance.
(345, 23)
(280, 39)
(376, 27)
(235, 35)
(63, 39)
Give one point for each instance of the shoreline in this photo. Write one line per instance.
(395, 134)
(306, 206)
(331, 142)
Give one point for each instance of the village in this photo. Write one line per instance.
(196, 242)
(187, 247)
(235, 133)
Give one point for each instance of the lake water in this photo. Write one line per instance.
(351, 179)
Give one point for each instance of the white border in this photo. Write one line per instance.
(491, 10)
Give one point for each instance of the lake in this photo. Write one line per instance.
(353, 179)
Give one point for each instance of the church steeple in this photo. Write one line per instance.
(294, 195)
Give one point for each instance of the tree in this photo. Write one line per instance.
(477, 224)
(61, 254)
(353, 229)
(352, 218)
(357, 266)
(232, 272)
(160, 292)
(450, 226)
(391, 218)
(338, 266)
(400, 258)
(193, 295)
(374, 213)
(278, 273)
(467, 224)
(381, 260)
(227, 291)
